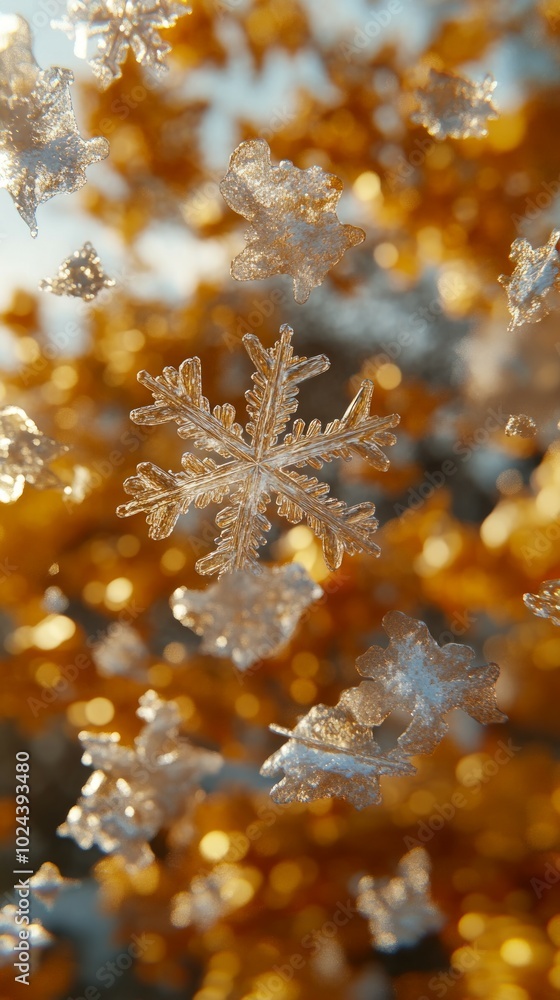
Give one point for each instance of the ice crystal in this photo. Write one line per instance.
(415, 675)
(42, 153)
(328, 754)
(245, 617)
(117, 26)
(451, 105)
(520, 425)
(212, 896)
(536, 272)
(80, 275)
(47, 883)
(38, 937)
(399, 910)
(257, 468)
(121, 653)
(25, 454)
(135, 791)
(546, 602)
(294, 226)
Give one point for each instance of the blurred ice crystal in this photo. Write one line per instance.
(121, 653)
(294, 226)
(451, 105)
(120, 26)
(520, 425)
(80, 275)
(38, 937)
(47, 883)
(212, 896)
(536, 273)
(135, 791)
(546, 602)
(246, 617)
(41, 151)
(25, 454)
(399, 910)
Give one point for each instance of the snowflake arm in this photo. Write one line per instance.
(117, 26)
(416, 675)
(258, 468)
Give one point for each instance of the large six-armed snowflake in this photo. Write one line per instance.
(257, 468)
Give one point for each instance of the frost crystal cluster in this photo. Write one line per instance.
(546, 602)
(332, 751)
(450, 105)
(135, 791)
(244, 616)
(42, 153)
(294, 226)
(25, 454)
(81, 276)
(536, 273)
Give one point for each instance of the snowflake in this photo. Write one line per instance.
(328, 754)
(41, 151)
(80, 275)
(121, 653)
(257, 468)
(117, 26)
(416, 675)
(546, 602)
(136, 791)
(245, 617)
(24, 455)
(399, 910)
(47, 883)
(520, 425)
(450, 105)
(536, 273)
(210, 897)
(10, 933)
(294, 226)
